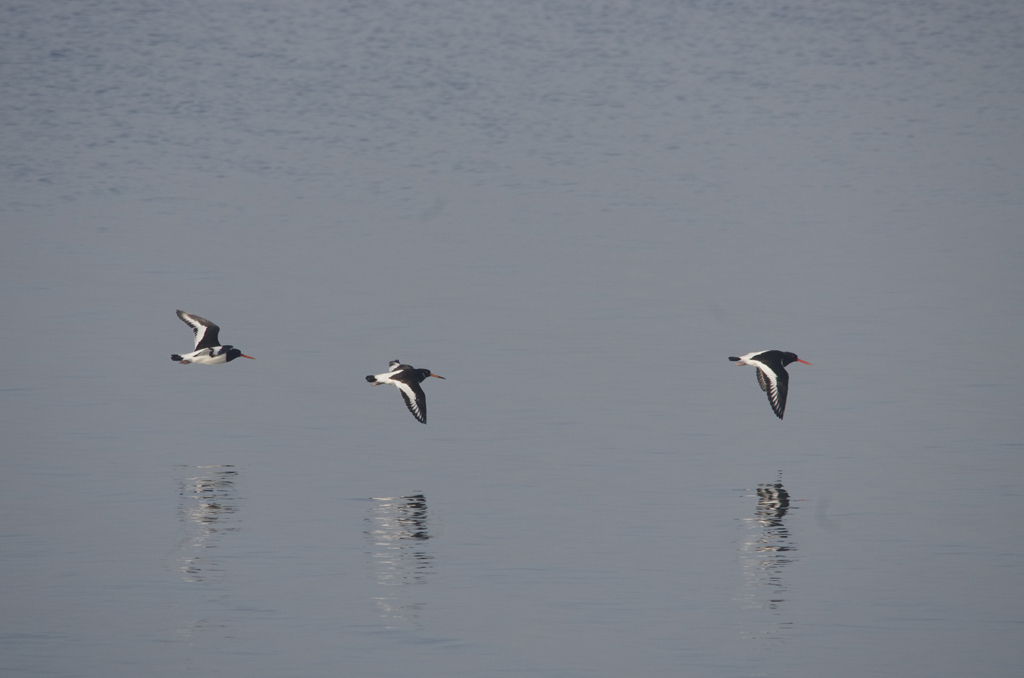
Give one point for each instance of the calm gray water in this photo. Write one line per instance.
(575, 212)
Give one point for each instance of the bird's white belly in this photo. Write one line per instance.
(204, 357)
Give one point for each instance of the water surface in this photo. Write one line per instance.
(575, 212)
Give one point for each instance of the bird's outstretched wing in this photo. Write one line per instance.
(414, 398)
(206, 332)
(777, 388)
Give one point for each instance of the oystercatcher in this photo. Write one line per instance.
(208, 349)
(407, 378)
(772, 375)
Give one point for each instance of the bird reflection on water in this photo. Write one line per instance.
(207, 510)
(397, 529)
(766, 550)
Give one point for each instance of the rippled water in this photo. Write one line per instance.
(575, 212)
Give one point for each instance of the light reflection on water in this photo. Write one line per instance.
(398, 531)
(208, 508)
(765, 551)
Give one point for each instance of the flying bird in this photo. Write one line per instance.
(208, 349)
(772, 375)
(407, 378)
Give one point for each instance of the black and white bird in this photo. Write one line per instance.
(208, 349)
(407, 378)
(772, 375)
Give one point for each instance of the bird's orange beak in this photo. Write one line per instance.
(436, 375)
(802, 361)
(247, 356)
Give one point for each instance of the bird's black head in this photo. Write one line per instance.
(235, 353)
(788, 358)
(370, 378)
